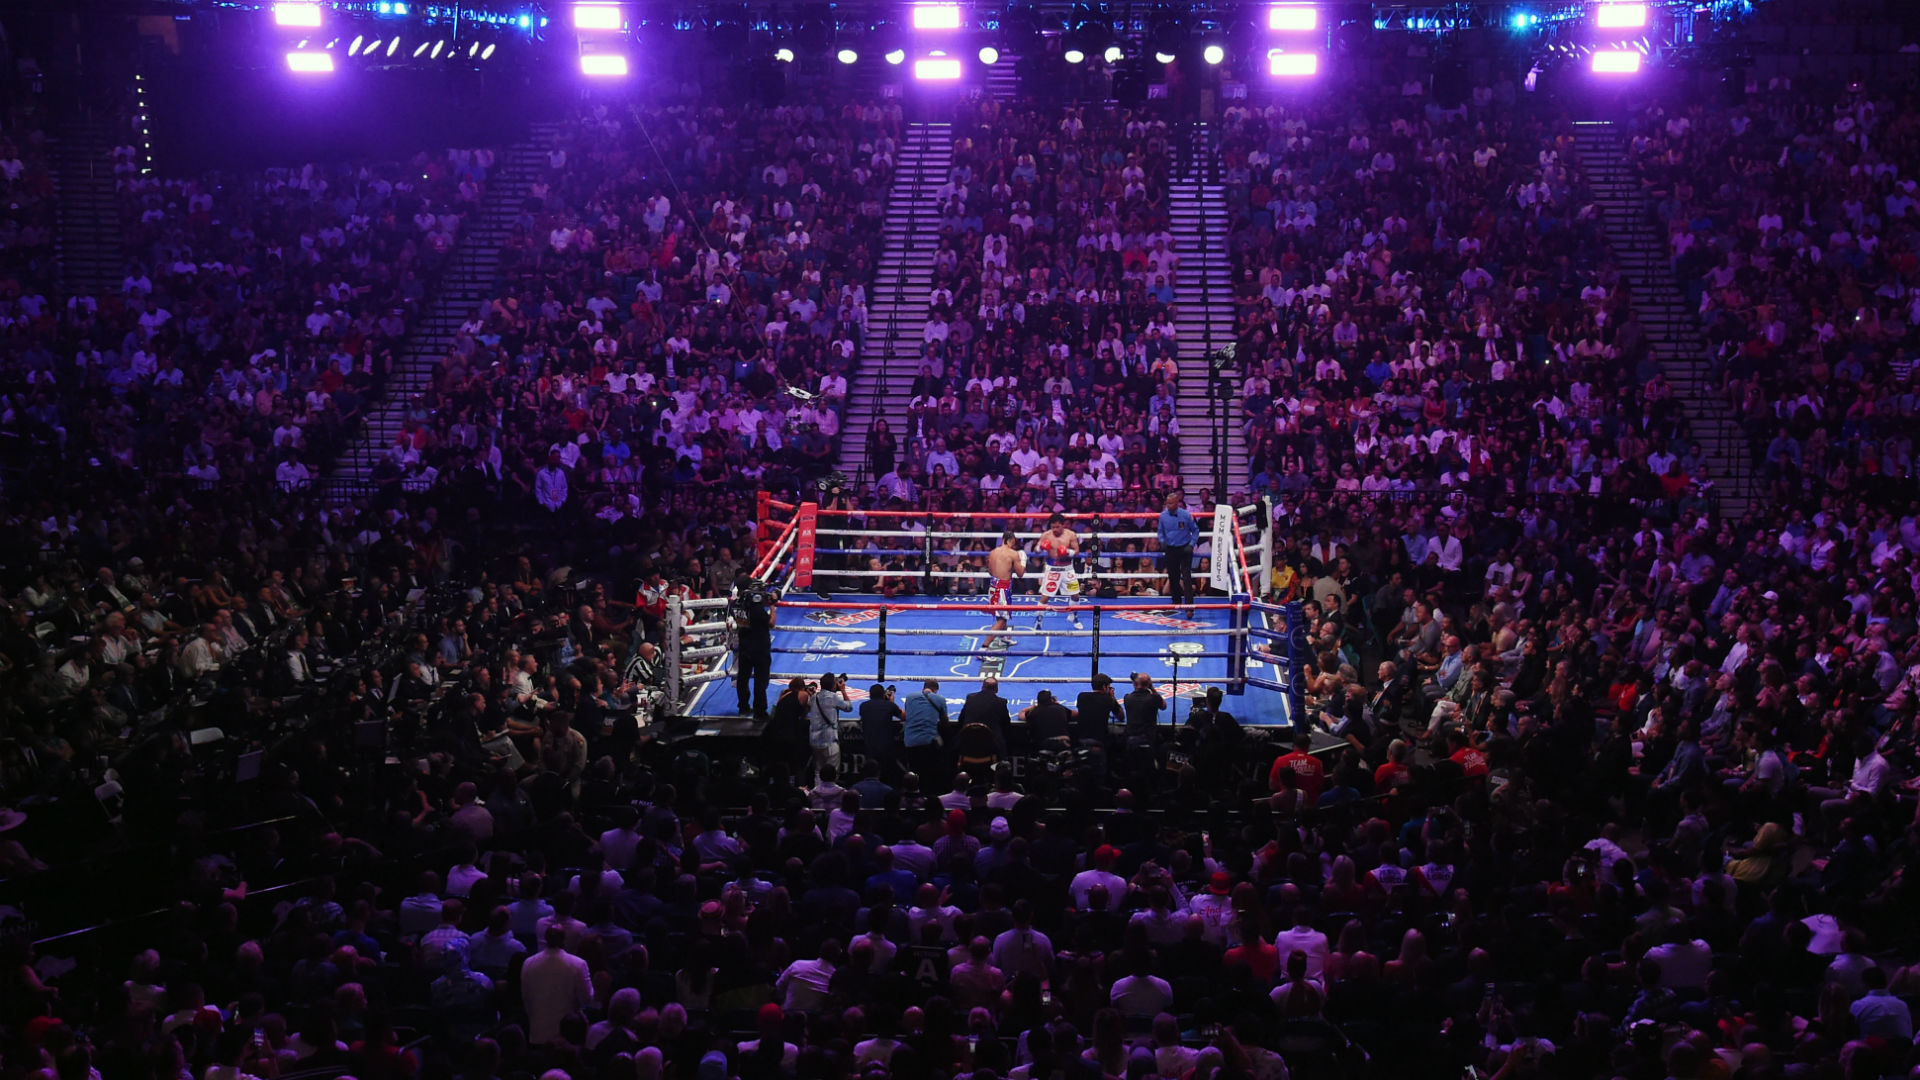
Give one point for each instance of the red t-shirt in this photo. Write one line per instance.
(1308, 773)
(1472, 762)
(1389, 776)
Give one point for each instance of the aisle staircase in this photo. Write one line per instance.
(1003, 77)
(87, 246)
(897, 299)
(1661, 304)
(1203, 305)
(469, 284)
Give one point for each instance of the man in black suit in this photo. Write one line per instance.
(1386, 708)
(986, 706)
(105, 592)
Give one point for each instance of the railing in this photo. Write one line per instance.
(877, 395)
(58, 897)
(360, 452)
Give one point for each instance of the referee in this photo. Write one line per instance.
(1178, 533)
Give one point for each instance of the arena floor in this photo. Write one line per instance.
(842, 640)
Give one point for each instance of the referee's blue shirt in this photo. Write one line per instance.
(1177, 528)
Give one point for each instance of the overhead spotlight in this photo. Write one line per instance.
(420, 49)
(897, 56)
(373, 46)
(1620, 16)
(1074, 56)
(603, 65)
(296, 14)
(437, 46)
(1616, 62)
(847, 56)
(399, 9)
(487, 53)
(936, 16)
(1112, 55)
(592, 16)
(1288, 65)
(354, 49)
(783, 54)
(1163, 57)
(310, 63)
(386, 8)
(393, 46)
(1213, 54)
(989, 55)
(473, 50)
(1293, 17)
(937, 69)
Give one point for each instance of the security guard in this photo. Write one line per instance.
(753, 658)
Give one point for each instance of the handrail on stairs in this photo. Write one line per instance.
(877, 393)
(361, 450)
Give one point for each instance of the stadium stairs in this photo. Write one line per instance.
(1003, 77)
(1641, 251)
(897, 300)
(88, 244)
(1203, 319)
(471, 281)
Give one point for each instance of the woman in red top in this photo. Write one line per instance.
(1255, 951)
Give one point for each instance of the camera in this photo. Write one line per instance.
(752, 593)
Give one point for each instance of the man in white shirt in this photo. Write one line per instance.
(1142, 994)
(1872, 775)
(1101, 873)
(804, 983)
(553, 983)
(1023, 950)
(1303, 938)
(1448, 547)
(203, 653)
(1683, 964)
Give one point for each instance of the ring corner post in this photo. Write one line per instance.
(806, 526)
(1265, 585)
(676, 618)
(880, 648)
(1094, 653)
(1297, 647)
(1239, 619)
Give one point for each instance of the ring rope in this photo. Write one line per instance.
(977, 574)
(950, 676)
(1028, 632)
(974, 535)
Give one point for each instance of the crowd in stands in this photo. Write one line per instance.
(27, 217)
(1049, 349)
(1616, 796)
(1792, 222)
(674, 274)
(1428, 304)
(257, 316)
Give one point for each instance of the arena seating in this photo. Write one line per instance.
(1790, 219)
(301, 787)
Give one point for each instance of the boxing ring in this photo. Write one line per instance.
(939, 623)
